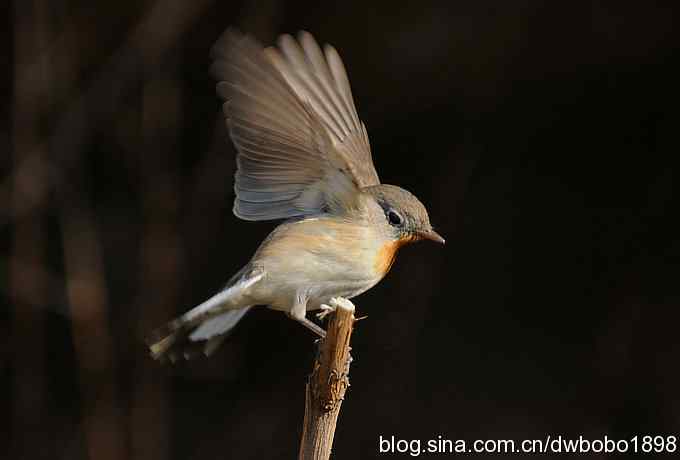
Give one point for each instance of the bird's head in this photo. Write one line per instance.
(403, 217)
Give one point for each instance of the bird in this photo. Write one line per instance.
(303, 158)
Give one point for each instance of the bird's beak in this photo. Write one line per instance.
(432, 236)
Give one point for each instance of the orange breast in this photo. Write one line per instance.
(386, 255)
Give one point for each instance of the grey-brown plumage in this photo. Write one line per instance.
(302, 154)
(301, 146)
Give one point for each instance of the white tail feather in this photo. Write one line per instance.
(219, 325)
(204, 327)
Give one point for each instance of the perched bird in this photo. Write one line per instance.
(304, 156)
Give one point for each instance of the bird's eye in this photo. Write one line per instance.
(394, 218)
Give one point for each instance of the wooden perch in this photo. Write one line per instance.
(327, 384)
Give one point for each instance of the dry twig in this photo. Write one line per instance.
(327, 384)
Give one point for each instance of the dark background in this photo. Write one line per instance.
(539, 134)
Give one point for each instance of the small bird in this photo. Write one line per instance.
(303, 156)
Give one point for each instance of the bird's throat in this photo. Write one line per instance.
(388, 253)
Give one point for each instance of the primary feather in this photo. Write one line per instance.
(301, 146)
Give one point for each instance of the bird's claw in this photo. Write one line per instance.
(325, 311)
(334, 304)
(342, 303)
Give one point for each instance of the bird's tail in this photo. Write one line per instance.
(202, 329)
(182, 340)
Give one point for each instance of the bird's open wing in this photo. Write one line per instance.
(301, 146)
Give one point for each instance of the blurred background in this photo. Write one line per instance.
(540, 135)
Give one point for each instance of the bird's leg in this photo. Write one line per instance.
(299, 314)
(318, 330)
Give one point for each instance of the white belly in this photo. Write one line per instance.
(314, 260)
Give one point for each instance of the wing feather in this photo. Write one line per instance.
(331, 89)
(301, 146)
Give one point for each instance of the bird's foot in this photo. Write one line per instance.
(325, 311)
(333, 305)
